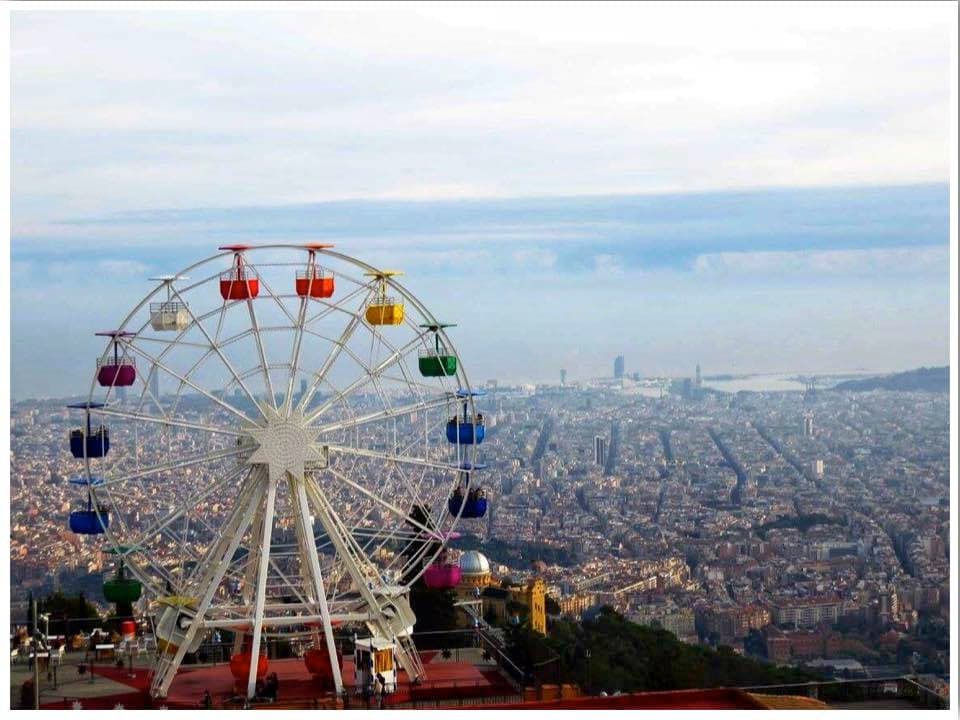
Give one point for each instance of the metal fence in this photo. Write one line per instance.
(860, 690)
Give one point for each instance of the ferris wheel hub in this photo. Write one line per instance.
(285, 445)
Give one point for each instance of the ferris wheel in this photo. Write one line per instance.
(277, 440)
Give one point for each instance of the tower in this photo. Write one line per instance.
(699, 380)
(600, 450)
(536, 601)
(563, 378)
(808, 425)
(618, 365)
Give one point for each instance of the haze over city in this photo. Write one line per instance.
(534, 177)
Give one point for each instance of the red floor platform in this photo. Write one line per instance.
(445, 680)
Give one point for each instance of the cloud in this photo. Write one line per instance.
(535, 258)
(428, 102)
(605, 264)
(813, 263)
(123, 267)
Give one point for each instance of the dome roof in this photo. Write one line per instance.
(474, 563)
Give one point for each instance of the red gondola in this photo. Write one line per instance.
(318, 665)
(314, 281)
(240, 282)
(240, 666)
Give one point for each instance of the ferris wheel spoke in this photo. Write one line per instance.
(268, 383)
(339, 345)
(413, 384)
(208, 352)
(188, 503)
(216, 348)
(354, 561)
(128, 415)
(172, 342)
(295, 355)
(386, 504)
(361, 452)
(370, 376)
(186, 381)
(389, 413)
(331, 308)
(175, 465)
(275, 297)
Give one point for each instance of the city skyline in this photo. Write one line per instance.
(677, 277)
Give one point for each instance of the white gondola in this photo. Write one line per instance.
(170, 314)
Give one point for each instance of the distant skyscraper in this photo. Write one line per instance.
(699, 380)
(817, 468)
(618, 367)
(303, 387)
(155, 383)
(808, 425)
(600, 450)
(563, 378)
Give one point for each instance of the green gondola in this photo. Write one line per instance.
(121, 588)
(438, 361)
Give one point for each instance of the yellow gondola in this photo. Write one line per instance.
(384, 310)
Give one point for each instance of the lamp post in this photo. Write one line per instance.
(589, 679)
(46, 642)
(36, 659)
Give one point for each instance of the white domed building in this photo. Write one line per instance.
(474, 570)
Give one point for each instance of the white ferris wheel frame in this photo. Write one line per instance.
(379, 601)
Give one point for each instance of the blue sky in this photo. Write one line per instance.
(574, 182)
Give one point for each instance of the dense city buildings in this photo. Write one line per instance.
(723, 518)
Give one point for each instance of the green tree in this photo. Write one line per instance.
(435, 612)
(632, 658)
(68, 613)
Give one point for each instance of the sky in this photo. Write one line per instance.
(759, 188)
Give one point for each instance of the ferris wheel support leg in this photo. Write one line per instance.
(261, 587)
(362, 572)
(250, 572)
(221, 556)
(312, 564)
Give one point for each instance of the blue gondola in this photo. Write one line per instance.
(90, 521)
(474, 501)
(466, 430)
(97, 443)
(474, 507)
(87, 442)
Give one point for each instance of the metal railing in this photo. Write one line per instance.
(859, 690)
